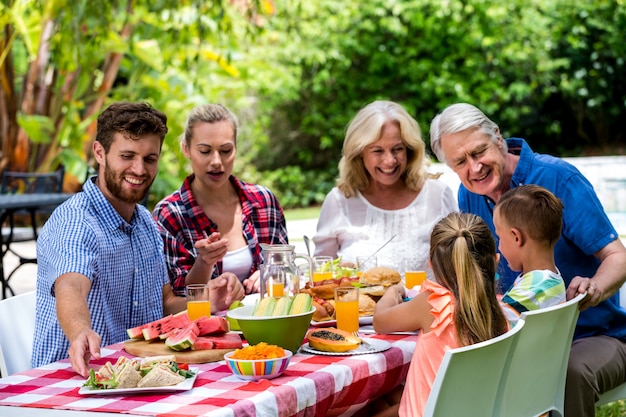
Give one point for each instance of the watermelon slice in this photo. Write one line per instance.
(203, 343)
(222, 341)
(212, 325)
(136, 332)
(154, 329)
(183, 338)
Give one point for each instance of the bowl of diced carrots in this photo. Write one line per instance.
(260, 361)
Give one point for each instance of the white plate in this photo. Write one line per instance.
(363, 321)
(185, 385)
(377, 344)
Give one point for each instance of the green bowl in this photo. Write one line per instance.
(285, 331)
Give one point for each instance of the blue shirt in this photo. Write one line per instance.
(123, 261)
(586, 230)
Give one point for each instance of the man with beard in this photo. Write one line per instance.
(101, 267)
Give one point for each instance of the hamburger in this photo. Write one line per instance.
(375, 281)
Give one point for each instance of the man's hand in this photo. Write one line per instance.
(71, 291)
(580, 285)
(224, 290)
(85, 346)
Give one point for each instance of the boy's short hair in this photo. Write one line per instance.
(533, 210)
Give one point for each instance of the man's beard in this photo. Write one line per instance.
(113, 183)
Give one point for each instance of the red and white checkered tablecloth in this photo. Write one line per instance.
(312, 385)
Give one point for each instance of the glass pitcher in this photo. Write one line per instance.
(279, 274)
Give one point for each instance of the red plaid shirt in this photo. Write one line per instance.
(182, 222)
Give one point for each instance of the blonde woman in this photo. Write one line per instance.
(383, 190)
(212, 227)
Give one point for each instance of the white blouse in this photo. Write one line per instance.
(351, 227)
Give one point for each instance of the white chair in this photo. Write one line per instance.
(534, 378)
(468, 378)
(17, 326)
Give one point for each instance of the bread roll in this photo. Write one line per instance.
(380, 275)
(366, 305)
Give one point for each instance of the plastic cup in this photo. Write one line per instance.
(347, 308)
(198, 302)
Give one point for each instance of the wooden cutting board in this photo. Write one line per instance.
(145, 348)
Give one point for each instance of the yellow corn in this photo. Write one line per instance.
(265, 307)
(283, 305)
(302, 303)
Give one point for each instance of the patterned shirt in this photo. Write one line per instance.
(123, 261)
(182, 222)
(532, 291)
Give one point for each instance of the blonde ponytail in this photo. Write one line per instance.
(463, 258)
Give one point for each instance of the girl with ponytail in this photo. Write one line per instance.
(459, 308)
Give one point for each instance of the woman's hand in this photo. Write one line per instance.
(211, 249)
(252, 283)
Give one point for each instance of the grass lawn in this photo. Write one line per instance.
(616, 409)
(302, 213)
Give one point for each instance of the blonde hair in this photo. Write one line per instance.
(463, 257)
(533, 210)
(208, 113)
(364, 130)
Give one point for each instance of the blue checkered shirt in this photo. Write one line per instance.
(123, 261)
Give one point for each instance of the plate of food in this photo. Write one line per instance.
(146, 375)
(363, 321)
(372, 285)
(377, 346)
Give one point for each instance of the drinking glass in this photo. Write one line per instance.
(322, 268)
(347, 308)
(198, 302)
(412, 276)
(363, 263)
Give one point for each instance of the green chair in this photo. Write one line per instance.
(534, 378)
(468, 378)
(619, 392)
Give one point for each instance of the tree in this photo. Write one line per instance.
(61, 61)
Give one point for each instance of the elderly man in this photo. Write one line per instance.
(589, 254)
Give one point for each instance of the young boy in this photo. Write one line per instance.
(528, 222)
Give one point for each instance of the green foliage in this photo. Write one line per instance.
(615, 409)
(550, 71)
(293, 186)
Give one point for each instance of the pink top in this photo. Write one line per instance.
(429, 350)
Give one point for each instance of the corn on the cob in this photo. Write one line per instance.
(265, 307)
(283, 305)
(301, 303)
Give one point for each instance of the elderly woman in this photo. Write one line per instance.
(384, 190)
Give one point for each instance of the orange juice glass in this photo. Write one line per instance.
(413, 278)
(198, 302)
(322, 268)
(347, 308)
